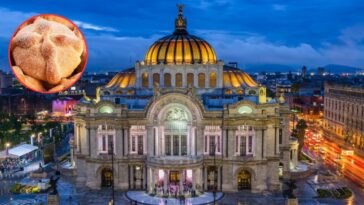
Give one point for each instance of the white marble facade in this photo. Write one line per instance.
(175, 141)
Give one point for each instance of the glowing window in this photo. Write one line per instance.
(245, 110)
(106, 109)
(179, 80)
(145, 80)
(212, 80)
(201, 80)
(156, 79)
(167, 80)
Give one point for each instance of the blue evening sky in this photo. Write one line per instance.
(295, 33)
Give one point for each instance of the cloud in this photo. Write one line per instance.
(257, 49)
(90, 26)
(110, 52)
(10, 20)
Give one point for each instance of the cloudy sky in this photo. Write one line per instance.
(295, 33)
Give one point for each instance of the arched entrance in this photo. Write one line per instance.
(106, 177)
(244, 180)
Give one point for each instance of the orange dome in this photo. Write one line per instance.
(180, 47)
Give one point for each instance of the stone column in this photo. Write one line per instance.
(205, 178)
(150, 79)
(118, 144)
(149, 142)
(258, 143)
(181, 181)
(195, 78)
(132, 182)
(156, 140)
(165, 180)
(207, 79)
(150, 180)
(93, 142)
(173, 79)
(126, 141)
(161, 79)
(193, 141)
(189, 140)
(194, 178)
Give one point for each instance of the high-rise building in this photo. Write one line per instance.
(344, 114)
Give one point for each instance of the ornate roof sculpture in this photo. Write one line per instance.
(180, 47)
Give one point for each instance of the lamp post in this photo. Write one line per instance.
(32, 139)
(215, 173)
(7, 145)
(111, 151)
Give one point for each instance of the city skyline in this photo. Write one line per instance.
(276, 33)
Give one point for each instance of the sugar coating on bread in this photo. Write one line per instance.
(47, 50)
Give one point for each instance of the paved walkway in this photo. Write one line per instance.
(144, 198)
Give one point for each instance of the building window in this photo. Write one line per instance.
(117, 100)
(190, 79)
(140, 145)
(280, 135)
(133, 143)
(167, 80)
(168, 144)
(212, 140)
(201, 80)
(179, 80)
(250, 144)
(212, 80)
(212, 145)
(242, 146)
(104, 143)
(145, 80)
(245, 141)
(175, 145)
(156, 79)
(105, 139)
(183, 145)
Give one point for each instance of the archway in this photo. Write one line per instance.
(106, 177)
(244, 180)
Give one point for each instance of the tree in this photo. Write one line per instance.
(299, 133)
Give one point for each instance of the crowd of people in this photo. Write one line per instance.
(10, 165)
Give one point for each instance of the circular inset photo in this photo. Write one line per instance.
(48, 53)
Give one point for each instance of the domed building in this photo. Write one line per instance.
(181, 120)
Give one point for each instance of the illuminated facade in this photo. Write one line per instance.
(344, 114)
(182, 120)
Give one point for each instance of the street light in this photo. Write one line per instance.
(215, 173)
(32, 139)
(111, 151)
(7, 145)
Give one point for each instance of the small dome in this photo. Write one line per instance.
(235, 78)
(180, 47)
(123, 79)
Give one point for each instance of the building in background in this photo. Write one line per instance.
(344, 114)
(6, 80)
(63, 106)
(182, 119)
(283, 87)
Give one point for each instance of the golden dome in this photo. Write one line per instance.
(180, 47)
(235, 78)
(123, 79)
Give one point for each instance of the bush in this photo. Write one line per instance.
(323, 193)
(16, 188)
